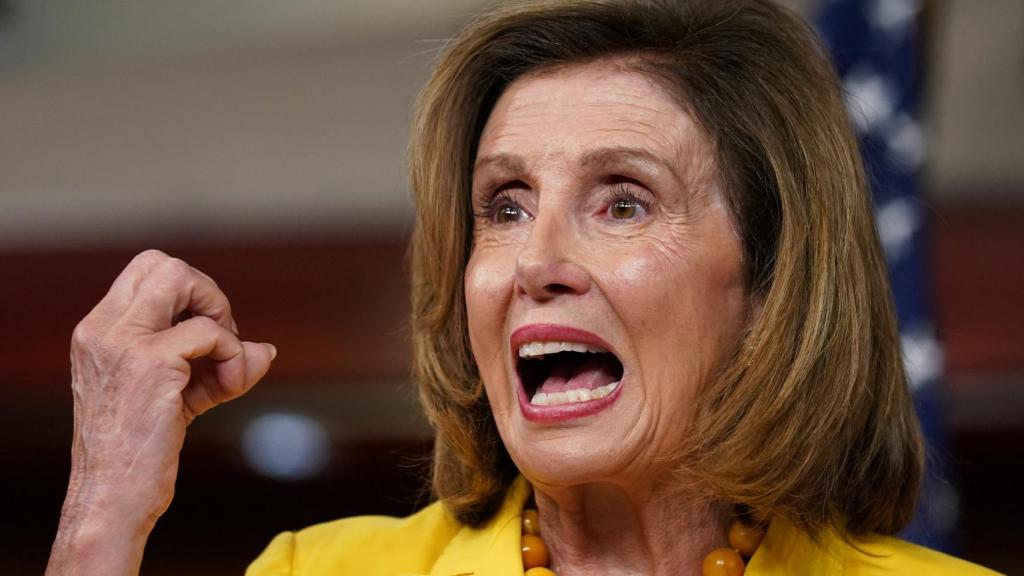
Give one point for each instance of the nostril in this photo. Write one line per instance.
(546, 280)
(546, 291)
(558, 289)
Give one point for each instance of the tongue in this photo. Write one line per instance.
(590, 374)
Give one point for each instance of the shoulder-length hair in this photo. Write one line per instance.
(811, 417)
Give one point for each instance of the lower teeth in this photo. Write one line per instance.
(572, 396)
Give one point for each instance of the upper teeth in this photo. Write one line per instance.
(540, 349)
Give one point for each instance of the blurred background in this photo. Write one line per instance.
(264, 142)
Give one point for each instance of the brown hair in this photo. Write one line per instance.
(810, 417)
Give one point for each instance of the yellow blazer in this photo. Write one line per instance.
(430, 542)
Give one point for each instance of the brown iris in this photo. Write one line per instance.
(623, 209)
(507, 214)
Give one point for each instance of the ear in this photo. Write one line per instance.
(755, 305)
(755, 309)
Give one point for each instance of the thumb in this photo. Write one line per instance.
(211, 385)
(258, 357)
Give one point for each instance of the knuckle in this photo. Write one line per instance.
(221, 307)
(148, 258)
(208, 278)
(173, 274)
(85, 334)
(176, 268)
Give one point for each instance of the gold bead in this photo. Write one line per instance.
(535, 552)
(744, 538)
(539, 571)
(723, 562)
(531, 522)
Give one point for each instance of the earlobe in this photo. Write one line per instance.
(755, 306)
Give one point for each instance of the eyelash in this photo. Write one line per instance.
(620, 191)
(496, 202)
(625, 191)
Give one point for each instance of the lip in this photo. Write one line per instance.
(559, 333)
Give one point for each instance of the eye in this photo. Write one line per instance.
(623, 209)
(626, 203)
(504, 208)
(509, 213)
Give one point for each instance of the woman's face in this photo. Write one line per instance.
(605, 282)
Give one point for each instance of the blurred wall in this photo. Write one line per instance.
(120, 120)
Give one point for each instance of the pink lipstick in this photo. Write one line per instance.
(563, 373)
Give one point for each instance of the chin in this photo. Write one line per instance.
(577, 452)
(565, 463)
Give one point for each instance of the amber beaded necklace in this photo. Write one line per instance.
(743, 542)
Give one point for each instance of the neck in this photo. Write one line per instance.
(610, 529)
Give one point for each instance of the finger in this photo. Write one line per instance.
(206, 388)
(172, 287)
(199, 337)
(234, 325)
(123, 289)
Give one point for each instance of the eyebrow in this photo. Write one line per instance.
(626, 155)
(602, 156)
(508, 162)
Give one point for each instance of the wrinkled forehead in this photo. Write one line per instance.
(563, 112)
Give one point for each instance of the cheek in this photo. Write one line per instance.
(488, 289)
(634, 288)
(645, 281)
(684, 302)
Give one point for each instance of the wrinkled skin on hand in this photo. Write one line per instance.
(158, 350)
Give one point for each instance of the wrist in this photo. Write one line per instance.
(106, 508)
(97, 543)
(105, 497)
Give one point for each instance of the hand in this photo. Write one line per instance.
(139, 377)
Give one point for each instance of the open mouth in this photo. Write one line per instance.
(554, 373)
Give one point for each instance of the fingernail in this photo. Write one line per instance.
(273, 350)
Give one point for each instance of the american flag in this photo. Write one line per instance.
(876, 49)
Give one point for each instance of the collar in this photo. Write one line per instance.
(494, 548)
(788, 550)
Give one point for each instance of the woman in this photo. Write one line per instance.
(648, 296)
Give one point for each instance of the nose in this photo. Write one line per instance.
(547, 265)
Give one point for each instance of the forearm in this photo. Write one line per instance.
(94, 538)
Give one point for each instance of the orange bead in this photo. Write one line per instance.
(745, 539)
(723, 562)
(539, 571)
(531, 522)
(535, 553)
